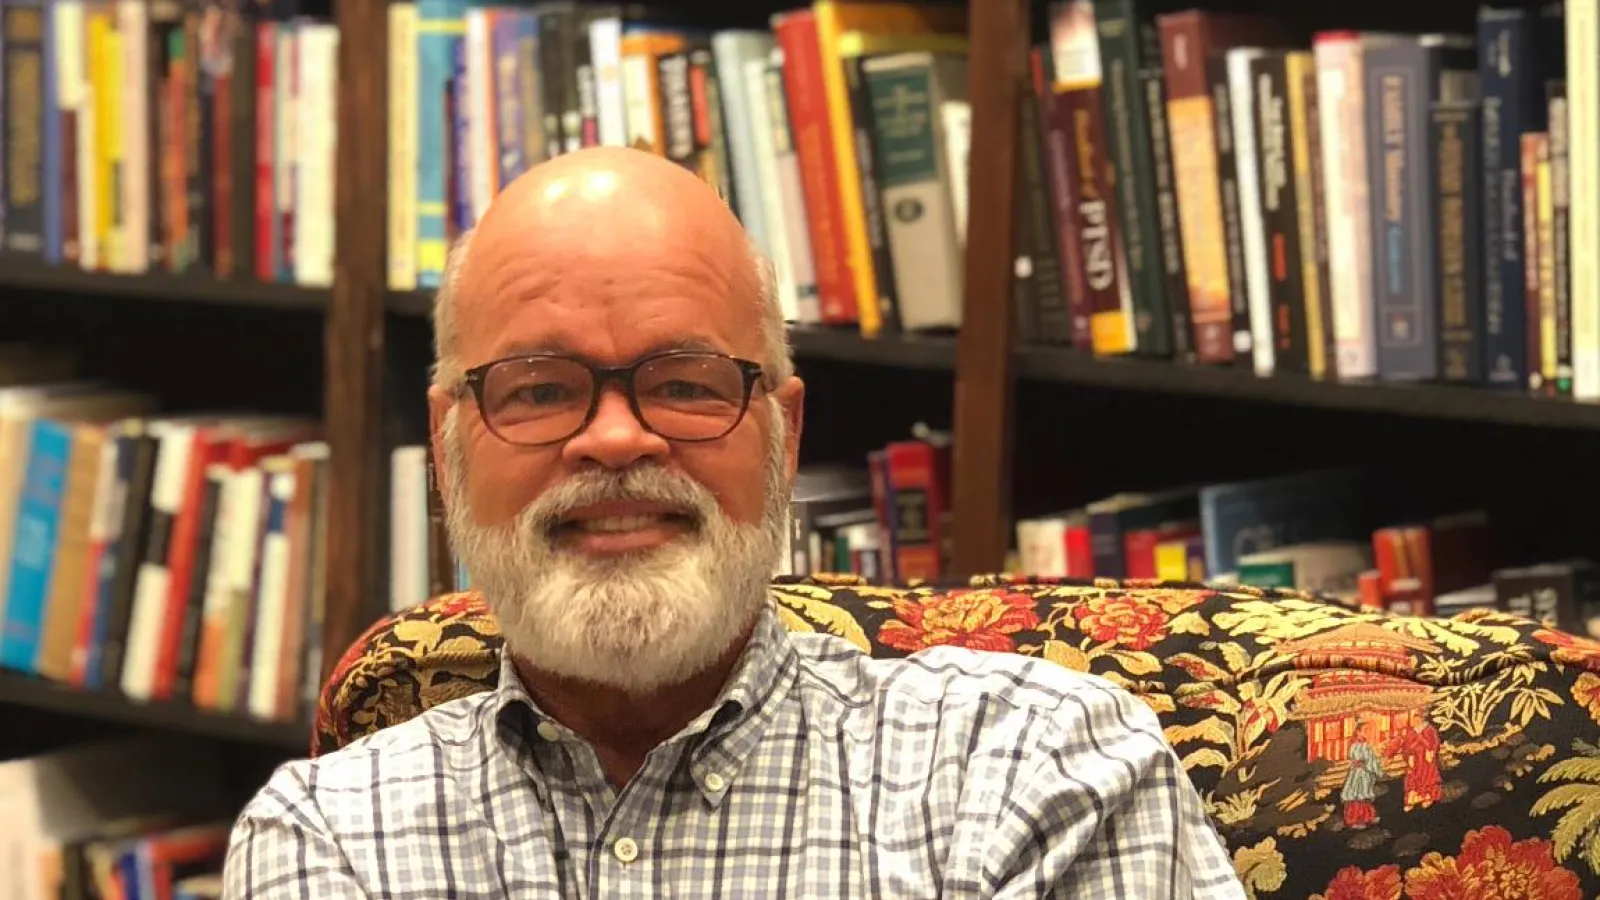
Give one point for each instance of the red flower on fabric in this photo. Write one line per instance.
(1134, 623)
(1382, 883)
(1491, 866)
(1570, 649)
(979, 619)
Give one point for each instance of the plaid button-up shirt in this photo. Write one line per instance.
(819, 773)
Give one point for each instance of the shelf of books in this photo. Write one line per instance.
(157, 567)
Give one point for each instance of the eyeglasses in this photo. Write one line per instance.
(680, 395)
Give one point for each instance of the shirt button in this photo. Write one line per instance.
(549, 731)
(626, 849)
(715, 783)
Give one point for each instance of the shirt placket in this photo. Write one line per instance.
(620, 865)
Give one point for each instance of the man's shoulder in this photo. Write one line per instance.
(402, 753)
(951, 680)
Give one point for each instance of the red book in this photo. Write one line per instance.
(796, 35)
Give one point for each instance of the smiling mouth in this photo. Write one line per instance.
(623, 524)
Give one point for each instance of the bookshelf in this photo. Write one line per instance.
(109, 706)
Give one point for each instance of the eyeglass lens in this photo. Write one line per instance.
(679, 397)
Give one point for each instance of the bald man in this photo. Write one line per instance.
(616, 424)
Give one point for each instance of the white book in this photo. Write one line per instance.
(316, 130)
(957, 118)
(733, 50)
(605, 54)
(1252, 231)
(1583, 172)
(408, 531)
(906, 91)
(1342, 121)
(152, 583)
(763, 154)
(272, 596)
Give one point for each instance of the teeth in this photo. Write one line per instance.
(618, 523)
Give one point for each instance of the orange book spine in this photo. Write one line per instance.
(805, 91)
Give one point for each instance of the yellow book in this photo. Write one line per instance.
(641, 86)
(834, 18)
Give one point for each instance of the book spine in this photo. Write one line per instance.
(1191, 125)
(1453, 149)
(1252, 232)
(1055, 111)
(1124, 41)
(1301, 82)
(1228, 184)
(1341, 105)
(807, 105)
(1583, 169)
(871, 196)
(1561, 232)
(23, 36)
(1049, 320)
(1397, 85)
(1544, 216)
(1280, 212)
(905, 91)
(1174, 267)
(1503, 38)
(1532, 148)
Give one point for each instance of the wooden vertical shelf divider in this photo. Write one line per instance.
(352, 392)
(981, 463)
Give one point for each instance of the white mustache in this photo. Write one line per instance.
(642, 484)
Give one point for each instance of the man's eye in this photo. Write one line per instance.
(685, 390)
(541, 394)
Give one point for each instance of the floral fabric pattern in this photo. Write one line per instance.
(1342, 754)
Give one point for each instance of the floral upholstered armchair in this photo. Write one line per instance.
(1343, 755)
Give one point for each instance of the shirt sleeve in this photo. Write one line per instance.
(282, 848)
(1110, 812)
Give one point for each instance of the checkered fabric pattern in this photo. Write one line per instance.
(820, 772)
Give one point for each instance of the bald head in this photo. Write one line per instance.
(607, 216)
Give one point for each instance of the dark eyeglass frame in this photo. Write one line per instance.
(752, 373)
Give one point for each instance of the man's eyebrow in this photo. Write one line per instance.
(561, 347)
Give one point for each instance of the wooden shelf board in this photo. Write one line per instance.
(37, 693)
(1467, 404)
(31, 273)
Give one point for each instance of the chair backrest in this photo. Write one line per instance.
(1340, 752)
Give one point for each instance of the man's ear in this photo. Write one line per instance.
(439, 403)
(792, 400)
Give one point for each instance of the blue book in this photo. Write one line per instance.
(34, 548)
(441, 26)
(506, 40)
(1245, 517)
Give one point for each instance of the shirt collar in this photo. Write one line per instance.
(718, 741)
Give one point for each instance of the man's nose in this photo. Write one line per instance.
(615, 438)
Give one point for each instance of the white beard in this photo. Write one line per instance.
(638, 622)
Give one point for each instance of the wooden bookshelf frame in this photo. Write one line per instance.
(354, 338)
(982, 418)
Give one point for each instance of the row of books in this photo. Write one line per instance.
(1217, 187)
(115, 818)
(1357, 205)
(152, 135)
(480, 92)
(1309, 531)
(167, 557)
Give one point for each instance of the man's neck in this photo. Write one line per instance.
(621, 726)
